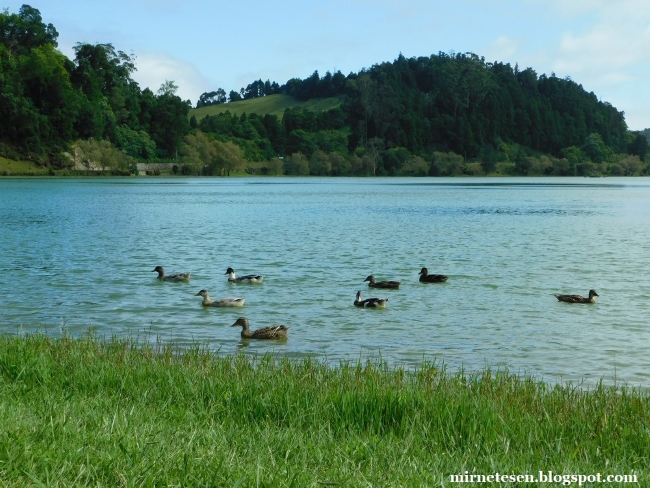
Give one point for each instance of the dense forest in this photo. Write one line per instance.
(51, 106)
(445, 114)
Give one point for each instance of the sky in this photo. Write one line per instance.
(202, 45)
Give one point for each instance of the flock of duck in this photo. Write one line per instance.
(280, 331)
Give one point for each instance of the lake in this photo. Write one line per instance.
(77, 254)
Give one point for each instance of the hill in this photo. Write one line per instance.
(271, 105)
(443, 114)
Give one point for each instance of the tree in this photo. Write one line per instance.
(367, 93)
(24, 31)
(298, 164)
(97, 154)
(340, 165)
(212, 98)
(209, 156)
(99, 68)
(229, 157)
(575, 158)
(375, 150)
(169, 123)
(319, 164)
(197, 151)
(233, 96)
(137, 144)
(631, 165)
(275, 166)
(447, 164)
(167, 88)
(638, 146)
(416, 166)
(595, 148)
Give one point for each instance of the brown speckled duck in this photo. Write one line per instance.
(171, 277)
(381, 284)
(220, 302)
(277, 332)
(578, 298)
(370, 302)
(425, 277)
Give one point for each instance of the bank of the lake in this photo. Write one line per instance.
(90, 412)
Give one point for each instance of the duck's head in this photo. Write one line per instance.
(370, 278)
(592, 293)
(158, 269)
(229, 270)
(202, 293)
(358, 296)
(424, 271)
(241, 322)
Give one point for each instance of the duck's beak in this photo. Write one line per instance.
(197, 294)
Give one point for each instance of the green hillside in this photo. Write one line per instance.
(272, 104)
(9, 167)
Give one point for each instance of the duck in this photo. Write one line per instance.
(425, 277)
(370, 302)
(221, 302)
(578, 298)
(277, 332)
(381, 284)
(171, 277)
(243, 279)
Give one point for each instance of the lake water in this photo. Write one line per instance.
(77, 254)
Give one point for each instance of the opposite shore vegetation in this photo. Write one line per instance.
(444, 114)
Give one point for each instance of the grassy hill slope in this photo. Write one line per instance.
(272, 104)
(9, 167)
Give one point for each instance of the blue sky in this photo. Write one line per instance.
(205, 44)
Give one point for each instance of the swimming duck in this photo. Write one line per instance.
(381, 284)
(171, 277)
(277, 332)
(425, 277)
(221, 302)
(578, 298)
(243, 279)
(370, 302)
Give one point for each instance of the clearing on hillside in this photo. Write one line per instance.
(271, 104)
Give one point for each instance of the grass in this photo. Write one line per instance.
(91, 412)
(9, 167)
(272, 104)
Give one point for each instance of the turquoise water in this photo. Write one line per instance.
(77, 255)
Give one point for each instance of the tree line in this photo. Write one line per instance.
(444, 114)
(48, 102)
(491, 117)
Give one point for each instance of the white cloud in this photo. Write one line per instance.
(612, 48)
(153, 69)
(501, 49)
(603, 45)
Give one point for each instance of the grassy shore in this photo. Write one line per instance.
(90, 412)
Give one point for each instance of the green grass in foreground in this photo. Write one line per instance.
(86, 412)
(272, 104)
